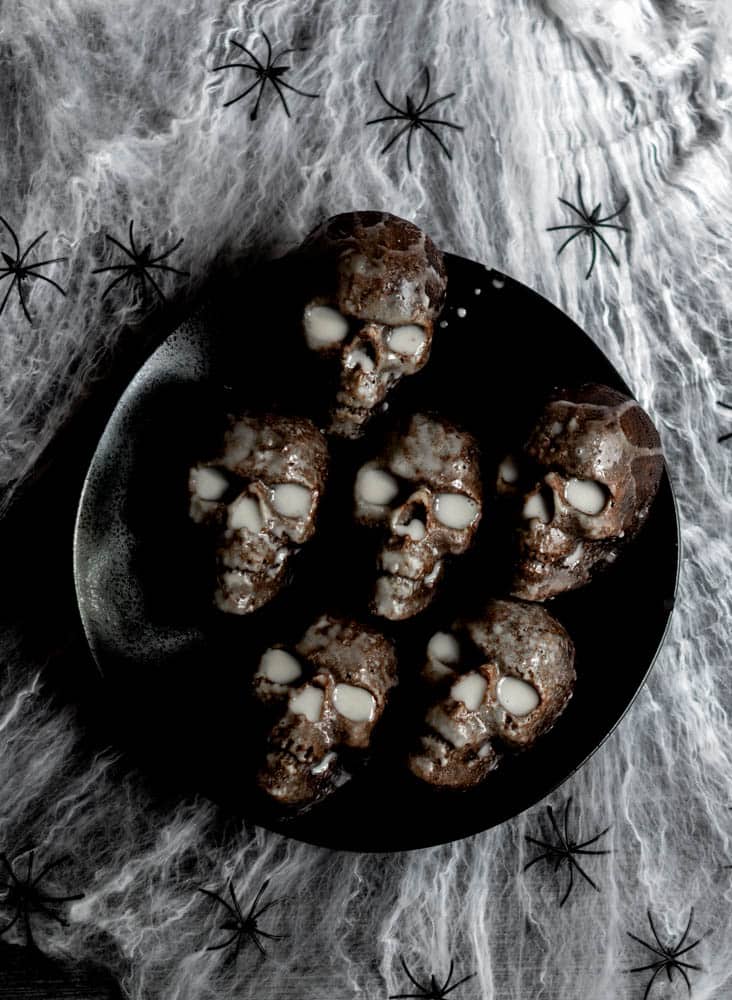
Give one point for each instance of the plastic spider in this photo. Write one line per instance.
(565, 850)
(27, 898)
(22, 271)
(141, 264)
(590, 226)
(668, 955)
(724, 437)
(243, 927)
(414, 115)
(271, 73)
(433, 991)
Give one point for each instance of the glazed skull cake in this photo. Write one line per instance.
(258, 494)
(330, 690)
(423, 492)
(580, 488)
(377, 285)
(497, 682)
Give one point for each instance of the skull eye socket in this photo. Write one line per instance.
(324, 327)
(376, 486)
(279, 666)
(539, 506)
(291, 500)
(453, 510)
(354, 703)
(209, 483)
(517, 696)
(407, 340)
(587, 496)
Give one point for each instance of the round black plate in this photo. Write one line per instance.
(176, 672)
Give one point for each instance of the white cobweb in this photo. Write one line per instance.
(111, 112)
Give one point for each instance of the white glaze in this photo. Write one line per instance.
(517, 696)
(245, 513)
(323, 326)
(308, 702)
(455, 510)
(210, 484)
(407, 340)
(508, 469)
(415, 529)
(375, 486)
(279, 667)
(292, 500)
(444, 647)
(322, 766)
(354, 703)
(586, 495)
(470, 690)
(536, 507)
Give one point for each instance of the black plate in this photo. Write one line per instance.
(176, 671)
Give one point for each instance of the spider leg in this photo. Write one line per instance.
(4, 857)
(135, 251)
(686, 978)
(289, 86)
(123, 248)
(114, 267)
(411, 977)
(30, 940)
(725, 406)
(720, 440)
(386, 100)
(435, 136)
(534, 861)
(50, 914)
(254, 935)
(224, 944)
(579, 196)
(166, 267)
(574, 209)
(276, 85)
(220, 900)
(13, 237)
(594, 840)
(439, 121)
(570, 886)
(267, 934)
(683, 951)
(553, 821)
(542, 843)
(685, 934)
(389, 118)
(655, 933)
(591, 234)
(7, 295)
(154, 283)
(455, 985)
(256, 83)
(396, 136)
(609, 225)
(651, 982)
(282, 54)
(216, 69)
(28, 317)
(428, 107)
(566, 820)
(60, 899)
(607, 246)
(583, 873)
(165, 253)
(42, 263)
(128, 274)
(255, 112)
(30, 247)
(650, 947)
(59, 289)
(250, 54)
(267, 906)
(269, 49)
(616, 213)
(553, 229)
(441, 989)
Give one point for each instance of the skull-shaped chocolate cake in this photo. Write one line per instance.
(580, 488)
(424, 492)
(258, 492)
(498, 681)
(377, 284)
(332, 689)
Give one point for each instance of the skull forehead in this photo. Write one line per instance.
(378, 267)
(585, 439)
(281, 449)
(352, 653)
(520, 639)
(434, 452)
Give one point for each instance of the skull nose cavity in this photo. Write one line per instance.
(245, 513)
(308, 701)
(470, 690)
(410, 520)
(586, 496)
(539, 506)
(361, 354)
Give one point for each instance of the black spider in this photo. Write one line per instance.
(413, 115)
(668, 955)
(271, 73)
(141, 264)
(433, 991)
(21, 271)
(724, 437)
(27, 898)
(243, 926)
(590, 226)
(565, 850)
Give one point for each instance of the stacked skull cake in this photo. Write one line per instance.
(494, 681)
